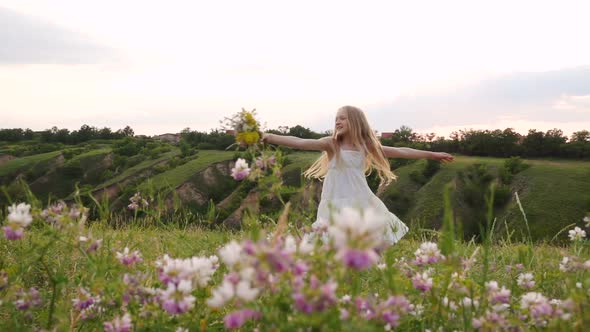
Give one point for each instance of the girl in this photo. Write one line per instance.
(348, 156)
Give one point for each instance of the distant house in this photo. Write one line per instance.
(170, 138)
(230, 132)
(387, 135)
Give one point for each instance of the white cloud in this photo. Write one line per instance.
(193, 62)
(521, 126)
(573, 103)
(559, 97)
(27, 39)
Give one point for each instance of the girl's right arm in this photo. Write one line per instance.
(322, 144)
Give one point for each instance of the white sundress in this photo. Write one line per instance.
(345, 185)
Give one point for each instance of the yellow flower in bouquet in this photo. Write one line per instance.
(245, 126)
(248, 137)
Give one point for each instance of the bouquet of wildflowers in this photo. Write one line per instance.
(245, 127)
(259, 163)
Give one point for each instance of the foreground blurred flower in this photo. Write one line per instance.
(491, 321)
(84, 299)
(240, 170)
(356, 235)
(358, 259)
(222, 294)
(265, 162)
(26, 300)
(389, 312)
(90, 244)
(428, 253)
(127, 258)
(232, 287)
(198, 270)
(315, 297)
(60, 215)
(573, 264)
(577, 234)
(137, 201)
(236, 319)
(422, 281)
(537, 306)
(178, 299)
(525, 280)
(119, 324)
(230, 253)
(497, 295)
(19, 217)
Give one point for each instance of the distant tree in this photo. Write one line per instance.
(404, 134)
(185, 148)
(28, 134)
(105, 133)
(302, 132)
(128, 132)
(533, 143)
(62, 136)
(215, 139)
(455, 136)
(11, 135)
(47, 136)
(554, 139)
(85, 133)
(509, 145)
(580, 136)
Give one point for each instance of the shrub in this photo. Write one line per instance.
(134, 160)
(505, 175)
(161, 168)
(515, 165)
(431, 167)
(418, 177)
(502, 195)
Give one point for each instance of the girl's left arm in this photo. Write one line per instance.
(409, 153)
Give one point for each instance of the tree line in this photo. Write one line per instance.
(508, 143)
(64, 136)
(493, 143)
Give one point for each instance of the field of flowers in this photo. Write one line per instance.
(59, 271)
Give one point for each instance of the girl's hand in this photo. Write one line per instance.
(442, 157)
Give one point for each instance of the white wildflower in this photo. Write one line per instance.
(221, 295)
(245, 291)
(230, 254)
(20, 214)
(351, 225)
(525, 280)
(577, 234)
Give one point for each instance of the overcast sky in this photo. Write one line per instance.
(161, 66)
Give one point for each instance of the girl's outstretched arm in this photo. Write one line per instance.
(322, 144)
(409, 153)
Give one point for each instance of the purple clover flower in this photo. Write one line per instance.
(119, 324)
(236, 319)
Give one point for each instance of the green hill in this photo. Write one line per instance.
(13, 167)
(553, 193)
(176, 176)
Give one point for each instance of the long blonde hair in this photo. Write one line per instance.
(365, 140)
